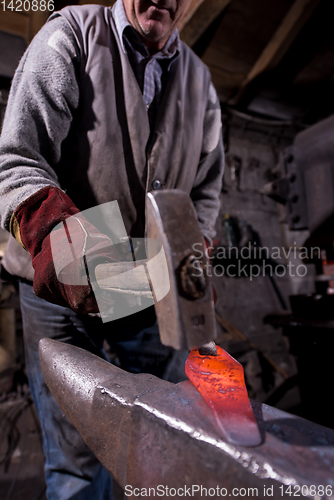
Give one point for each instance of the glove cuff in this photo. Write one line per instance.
(36, 216)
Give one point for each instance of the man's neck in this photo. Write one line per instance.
(154, 47)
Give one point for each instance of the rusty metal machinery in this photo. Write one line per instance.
(307, 190)
(306, 186)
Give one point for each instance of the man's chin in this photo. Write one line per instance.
(154, 31)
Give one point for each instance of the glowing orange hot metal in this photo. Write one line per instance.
(220, 380)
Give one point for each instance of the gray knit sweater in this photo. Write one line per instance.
(76, 119)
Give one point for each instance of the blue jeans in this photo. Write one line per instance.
(71, 469)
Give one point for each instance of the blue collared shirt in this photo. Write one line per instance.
(151, 71)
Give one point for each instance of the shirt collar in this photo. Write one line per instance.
(168, 51)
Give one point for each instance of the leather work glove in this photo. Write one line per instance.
(61, 258)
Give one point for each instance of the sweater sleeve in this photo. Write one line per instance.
(41, 103)
(208, 182)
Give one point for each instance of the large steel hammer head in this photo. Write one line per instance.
(186, 314)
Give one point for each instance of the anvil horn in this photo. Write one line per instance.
(148, 432)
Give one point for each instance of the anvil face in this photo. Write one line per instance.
(143, 429)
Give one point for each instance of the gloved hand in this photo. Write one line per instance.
(61, 258)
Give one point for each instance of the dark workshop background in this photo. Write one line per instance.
(272, 63)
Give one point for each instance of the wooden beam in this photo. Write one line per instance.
(37, 19)
(201, 18)
(279, 44)
(16, 23)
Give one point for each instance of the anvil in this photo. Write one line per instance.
(148, 432)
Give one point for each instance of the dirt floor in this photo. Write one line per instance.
(21, 455)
